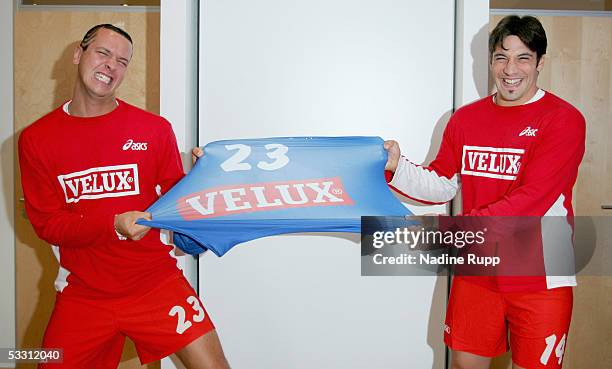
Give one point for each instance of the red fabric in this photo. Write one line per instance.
(388, 175)
(477, 321)
(547, 168)
(92, 334)
(64, 160)
(513, 161)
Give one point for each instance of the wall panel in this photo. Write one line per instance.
(7, 198)
(327, 68)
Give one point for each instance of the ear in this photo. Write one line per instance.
(76, 56)
(541, 63)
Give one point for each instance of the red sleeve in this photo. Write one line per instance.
(446, 163)
(551, 169)
(46, 208)
(170, 167)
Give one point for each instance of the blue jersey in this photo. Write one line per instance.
(246, 189)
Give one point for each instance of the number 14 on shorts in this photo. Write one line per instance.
(550, 345)
(182, 323)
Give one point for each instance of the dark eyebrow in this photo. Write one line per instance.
(103, 49)
(525, 54)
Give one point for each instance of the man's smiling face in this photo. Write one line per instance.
(515, 69)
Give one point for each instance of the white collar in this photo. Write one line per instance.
(65, 106)
(538, 95)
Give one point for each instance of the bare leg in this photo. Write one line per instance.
(465, 360)
(204, 353)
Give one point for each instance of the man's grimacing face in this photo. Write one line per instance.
(102, 66)
(515, 69)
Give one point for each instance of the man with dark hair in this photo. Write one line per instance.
(89, 35)
(526, 28)
(85, 167)
(517, 153)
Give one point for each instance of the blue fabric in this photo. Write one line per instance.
(246, 189)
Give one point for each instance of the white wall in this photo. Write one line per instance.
(321, 67)
(471, 45)
(7, 207)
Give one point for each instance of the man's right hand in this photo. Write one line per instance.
(125, 224)
(393, 155)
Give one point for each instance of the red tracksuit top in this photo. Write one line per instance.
(512, 161)
(77, 173)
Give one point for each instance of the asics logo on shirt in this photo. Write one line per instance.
(530, 132)
(100, 182)
(491, 162)
(131, 145)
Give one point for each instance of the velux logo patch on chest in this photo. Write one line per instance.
(491, 162)
(100, 182)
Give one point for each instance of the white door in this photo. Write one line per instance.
(331, 68)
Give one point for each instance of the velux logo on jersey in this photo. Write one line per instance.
(529, 132)
(248, 198)
(97, 183)
(492, 162)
